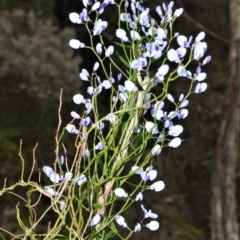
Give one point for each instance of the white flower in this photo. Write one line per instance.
(95, 6)
(139, 197)
(178, 12)
(120, 33)
(74, 17)
(112, 118)
(156, 150)
(47, 170)
(200, 87)
(51, 191)
(78, 98)
(71, 129)
(81, 179)
(74, 43)
(153, 225)
(120, 192)
(130, 86)
(75, 115)
(109, 51)
(174, 143)
(151, 127)
(137, 228)
(121, 221)
(95, 220)
(99, 146)
(175, 130)
(200, 37)
(149, 174)
(54, 177)
(157, 186)
(148, 214)
(134, 35)
(170, 98)
(62, 205)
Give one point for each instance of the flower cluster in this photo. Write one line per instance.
(144, 41)
(148, 175)
(59, 179)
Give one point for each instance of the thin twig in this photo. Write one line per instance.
(34, 161)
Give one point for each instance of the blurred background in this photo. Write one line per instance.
(201, 196)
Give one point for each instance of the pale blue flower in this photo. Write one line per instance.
(62, 205)
(99, 146)
(176, 55)
(48, 170)
(96, 66)
(162, 71)
(170, 98)
(107, 84)
(86, 2)
(81, 179)
(200, 37)
(54, 177)
(99, 48)
(109, 51)
(101, 125)
(182, 113)
(119, 76)
(85, 121)
(84, 75)
(72, 129)
(61, 160)
(206, 60)
(199, 50)
(139, 63)
(200, 87)
(178, 12)
(95, 220)
(75, 115)
(99, 26)
(144, 18)
(137, 228)
(83, 17)
(181, 71)
(94, 91)
(95, 6)
(149, 174)
(183, 41)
